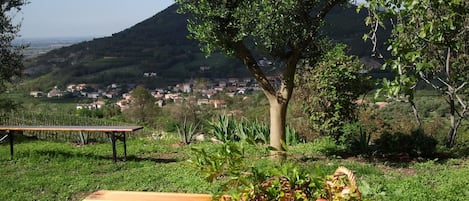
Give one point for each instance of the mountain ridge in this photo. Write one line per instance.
(160, 45)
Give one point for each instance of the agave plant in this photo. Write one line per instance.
(291, 136)
(223, 128)
(261, 132)
(186, 131)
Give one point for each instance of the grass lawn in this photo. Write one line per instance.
(44, 170)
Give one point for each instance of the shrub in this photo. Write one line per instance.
(417, 144)
(241, 179)
(356, 139)
(327, 145)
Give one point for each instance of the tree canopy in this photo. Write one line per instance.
(11, 65)
(429, 44)
(285, 32)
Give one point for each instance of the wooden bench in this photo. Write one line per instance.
(115, 133)
(106, 195)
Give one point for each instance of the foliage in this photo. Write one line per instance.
(292, 137)
(429, 42)
(244, 181)
(45, 170)
(416, 144)
(190, 111)
(285, 32)
(227, 128)
(93, 113)
(330, 89)
(187, 131)
(357, 139)
(143, 107)
(327, 145)
(11, 56)
(222, 128)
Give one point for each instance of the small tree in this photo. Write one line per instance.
(143, 108)
(285, 32)
(11, 56)
(429, 42)
(329, 91)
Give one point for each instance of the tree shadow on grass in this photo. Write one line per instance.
(88, 156)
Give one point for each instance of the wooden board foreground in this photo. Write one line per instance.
(106, 195)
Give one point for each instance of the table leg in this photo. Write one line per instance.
(125, 145)
(113, 142)
(11, 138)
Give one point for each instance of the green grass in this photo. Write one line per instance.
(44, 170)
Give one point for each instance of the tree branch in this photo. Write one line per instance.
(424, 78)
(243, 53)
(464, 106)
(328, 7)
(447, 65)
(460, 87)
(450, 88)
(317, 21)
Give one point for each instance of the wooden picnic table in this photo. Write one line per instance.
(115, 133)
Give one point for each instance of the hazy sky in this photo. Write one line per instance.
(70, 18)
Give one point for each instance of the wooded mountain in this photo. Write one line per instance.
(160, 45)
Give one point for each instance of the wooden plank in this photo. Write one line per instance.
(105, 195)
(73, 128)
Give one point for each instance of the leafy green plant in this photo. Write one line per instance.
(415, 144)
(222, 128)
(326, 145)
(243, 180)
(292, 136)
(260, 131)
(226, 128)
(328, 90)
(187, 131)
(359, 139)
(229, 165)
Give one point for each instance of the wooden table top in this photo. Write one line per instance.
(73, 128)
(105, 195)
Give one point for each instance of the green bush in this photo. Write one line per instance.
(417, 144)
(327, 146)
(356, 139)
(229, 165)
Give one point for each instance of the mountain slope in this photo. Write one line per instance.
(159, 44)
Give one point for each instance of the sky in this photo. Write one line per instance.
(84, 18)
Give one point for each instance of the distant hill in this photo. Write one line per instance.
(160, 45)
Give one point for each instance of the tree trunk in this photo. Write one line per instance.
(452, 131)
(278, 114)
(416, 115)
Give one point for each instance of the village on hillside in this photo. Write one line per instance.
(120, 94)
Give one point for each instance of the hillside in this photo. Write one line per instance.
(160, 45)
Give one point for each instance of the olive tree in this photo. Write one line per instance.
(11, 56)
(430, 44)
(286, 33)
